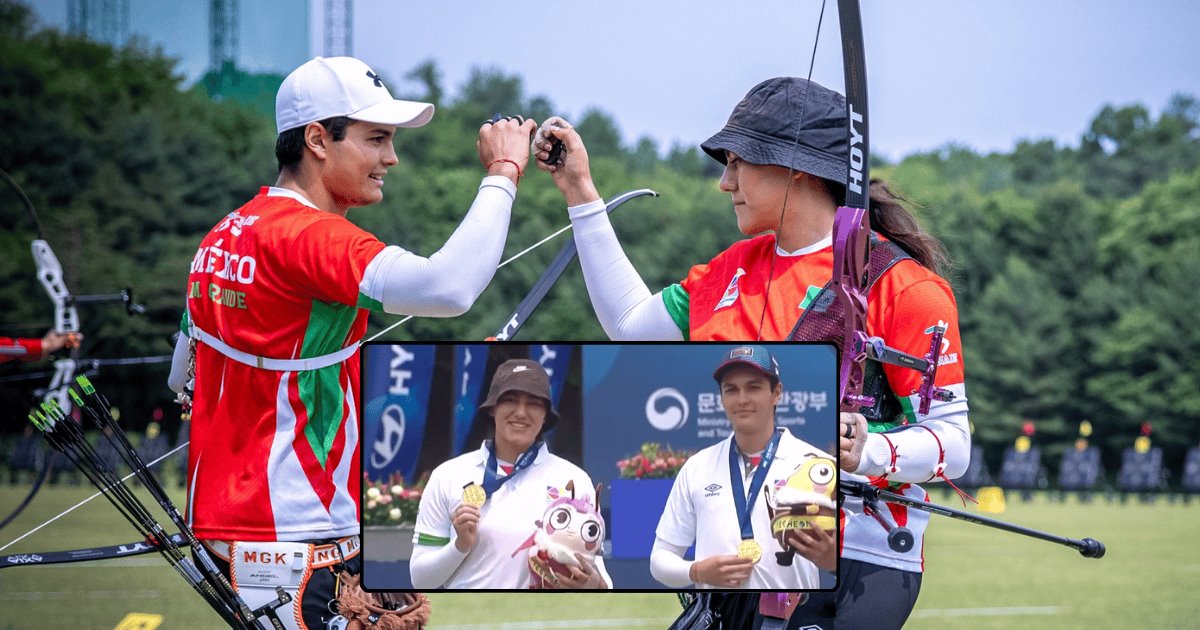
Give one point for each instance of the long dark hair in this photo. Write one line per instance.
(890, 217)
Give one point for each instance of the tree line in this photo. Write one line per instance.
(1073, 265)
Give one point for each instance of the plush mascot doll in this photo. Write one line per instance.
(567, 527)
(803, 500)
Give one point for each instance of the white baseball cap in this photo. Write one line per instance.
(326, 87)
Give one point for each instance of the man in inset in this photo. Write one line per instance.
(716, 502)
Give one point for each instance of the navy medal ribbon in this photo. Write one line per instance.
(744, 502)
(491, 478)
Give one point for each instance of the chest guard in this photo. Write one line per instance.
(825, 320)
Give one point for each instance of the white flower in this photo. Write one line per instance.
(371, 505)
(397, 489)
(372, 492)
(394, 514)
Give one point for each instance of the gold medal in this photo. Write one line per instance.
(474, 495)
(750, 549)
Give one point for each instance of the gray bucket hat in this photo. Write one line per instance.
(763, 128)
(521, 375)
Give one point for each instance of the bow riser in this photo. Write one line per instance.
(850, 251)
(66, 319)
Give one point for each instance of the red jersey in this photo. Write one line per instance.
(274, 454)
(724, 300)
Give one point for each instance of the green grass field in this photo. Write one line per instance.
(976, 577)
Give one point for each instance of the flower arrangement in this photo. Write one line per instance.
(653, 461)
(390, 502)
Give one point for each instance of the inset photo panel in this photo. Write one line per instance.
(603, 466)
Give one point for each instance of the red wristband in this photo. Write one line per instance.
(519, 173)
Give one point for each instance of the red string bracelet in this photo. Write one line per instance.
(519, 173)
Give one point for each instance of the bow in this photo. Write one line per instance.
(852, 244)
(851, 227)
(66, 317)
(66, 320)
(850, 282)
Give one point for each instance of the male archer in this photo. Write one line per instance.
(277, 303)
(717, 500)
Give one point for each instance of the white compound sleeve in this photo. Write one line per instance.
(623, 303)
(668, 565)
(447, 283)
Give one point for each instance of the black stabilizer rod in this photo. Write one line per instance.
(1088, 547)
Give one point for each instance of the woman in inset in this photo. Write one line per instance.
(485, 515)
(785, 152)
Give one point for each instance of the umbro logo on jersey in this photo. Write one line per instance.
(375, 77)
(731, 292)
(711, 490)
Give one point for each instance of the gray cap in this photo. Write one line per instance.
(763, 128)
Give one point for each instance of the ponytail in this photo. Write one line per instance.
(889, 217)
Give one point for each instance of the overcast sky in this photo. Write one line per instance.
(984, 74)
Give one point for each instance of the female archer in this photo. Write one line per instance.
(474, 524)
(786, 154)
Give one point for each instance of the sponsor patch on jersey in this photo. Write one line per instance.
(810, 299)
(711, 490)
(731, 291)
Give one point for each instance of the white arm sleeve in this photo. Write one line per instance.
(177, 379)
(624, 305)
(668, 566)
(447, 283)
(430, 567)
(941, 439)
(434, 556)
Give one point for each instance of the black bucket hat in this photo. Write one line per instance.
(763, 129)
(521, 375)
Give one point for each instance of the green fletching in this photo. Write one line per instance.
(86, 384)
(35, 422)
(77, 398)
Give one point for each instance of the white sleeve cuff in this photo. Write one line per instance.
(431, 567)
(501, 182)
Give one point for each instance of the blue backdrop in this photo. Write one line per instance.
(637, 393)
(396, 381)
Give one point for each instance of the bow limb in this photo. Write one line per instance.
(66, 320)
(851, 224)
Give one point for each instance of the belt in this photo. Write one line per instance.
(325, 555)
